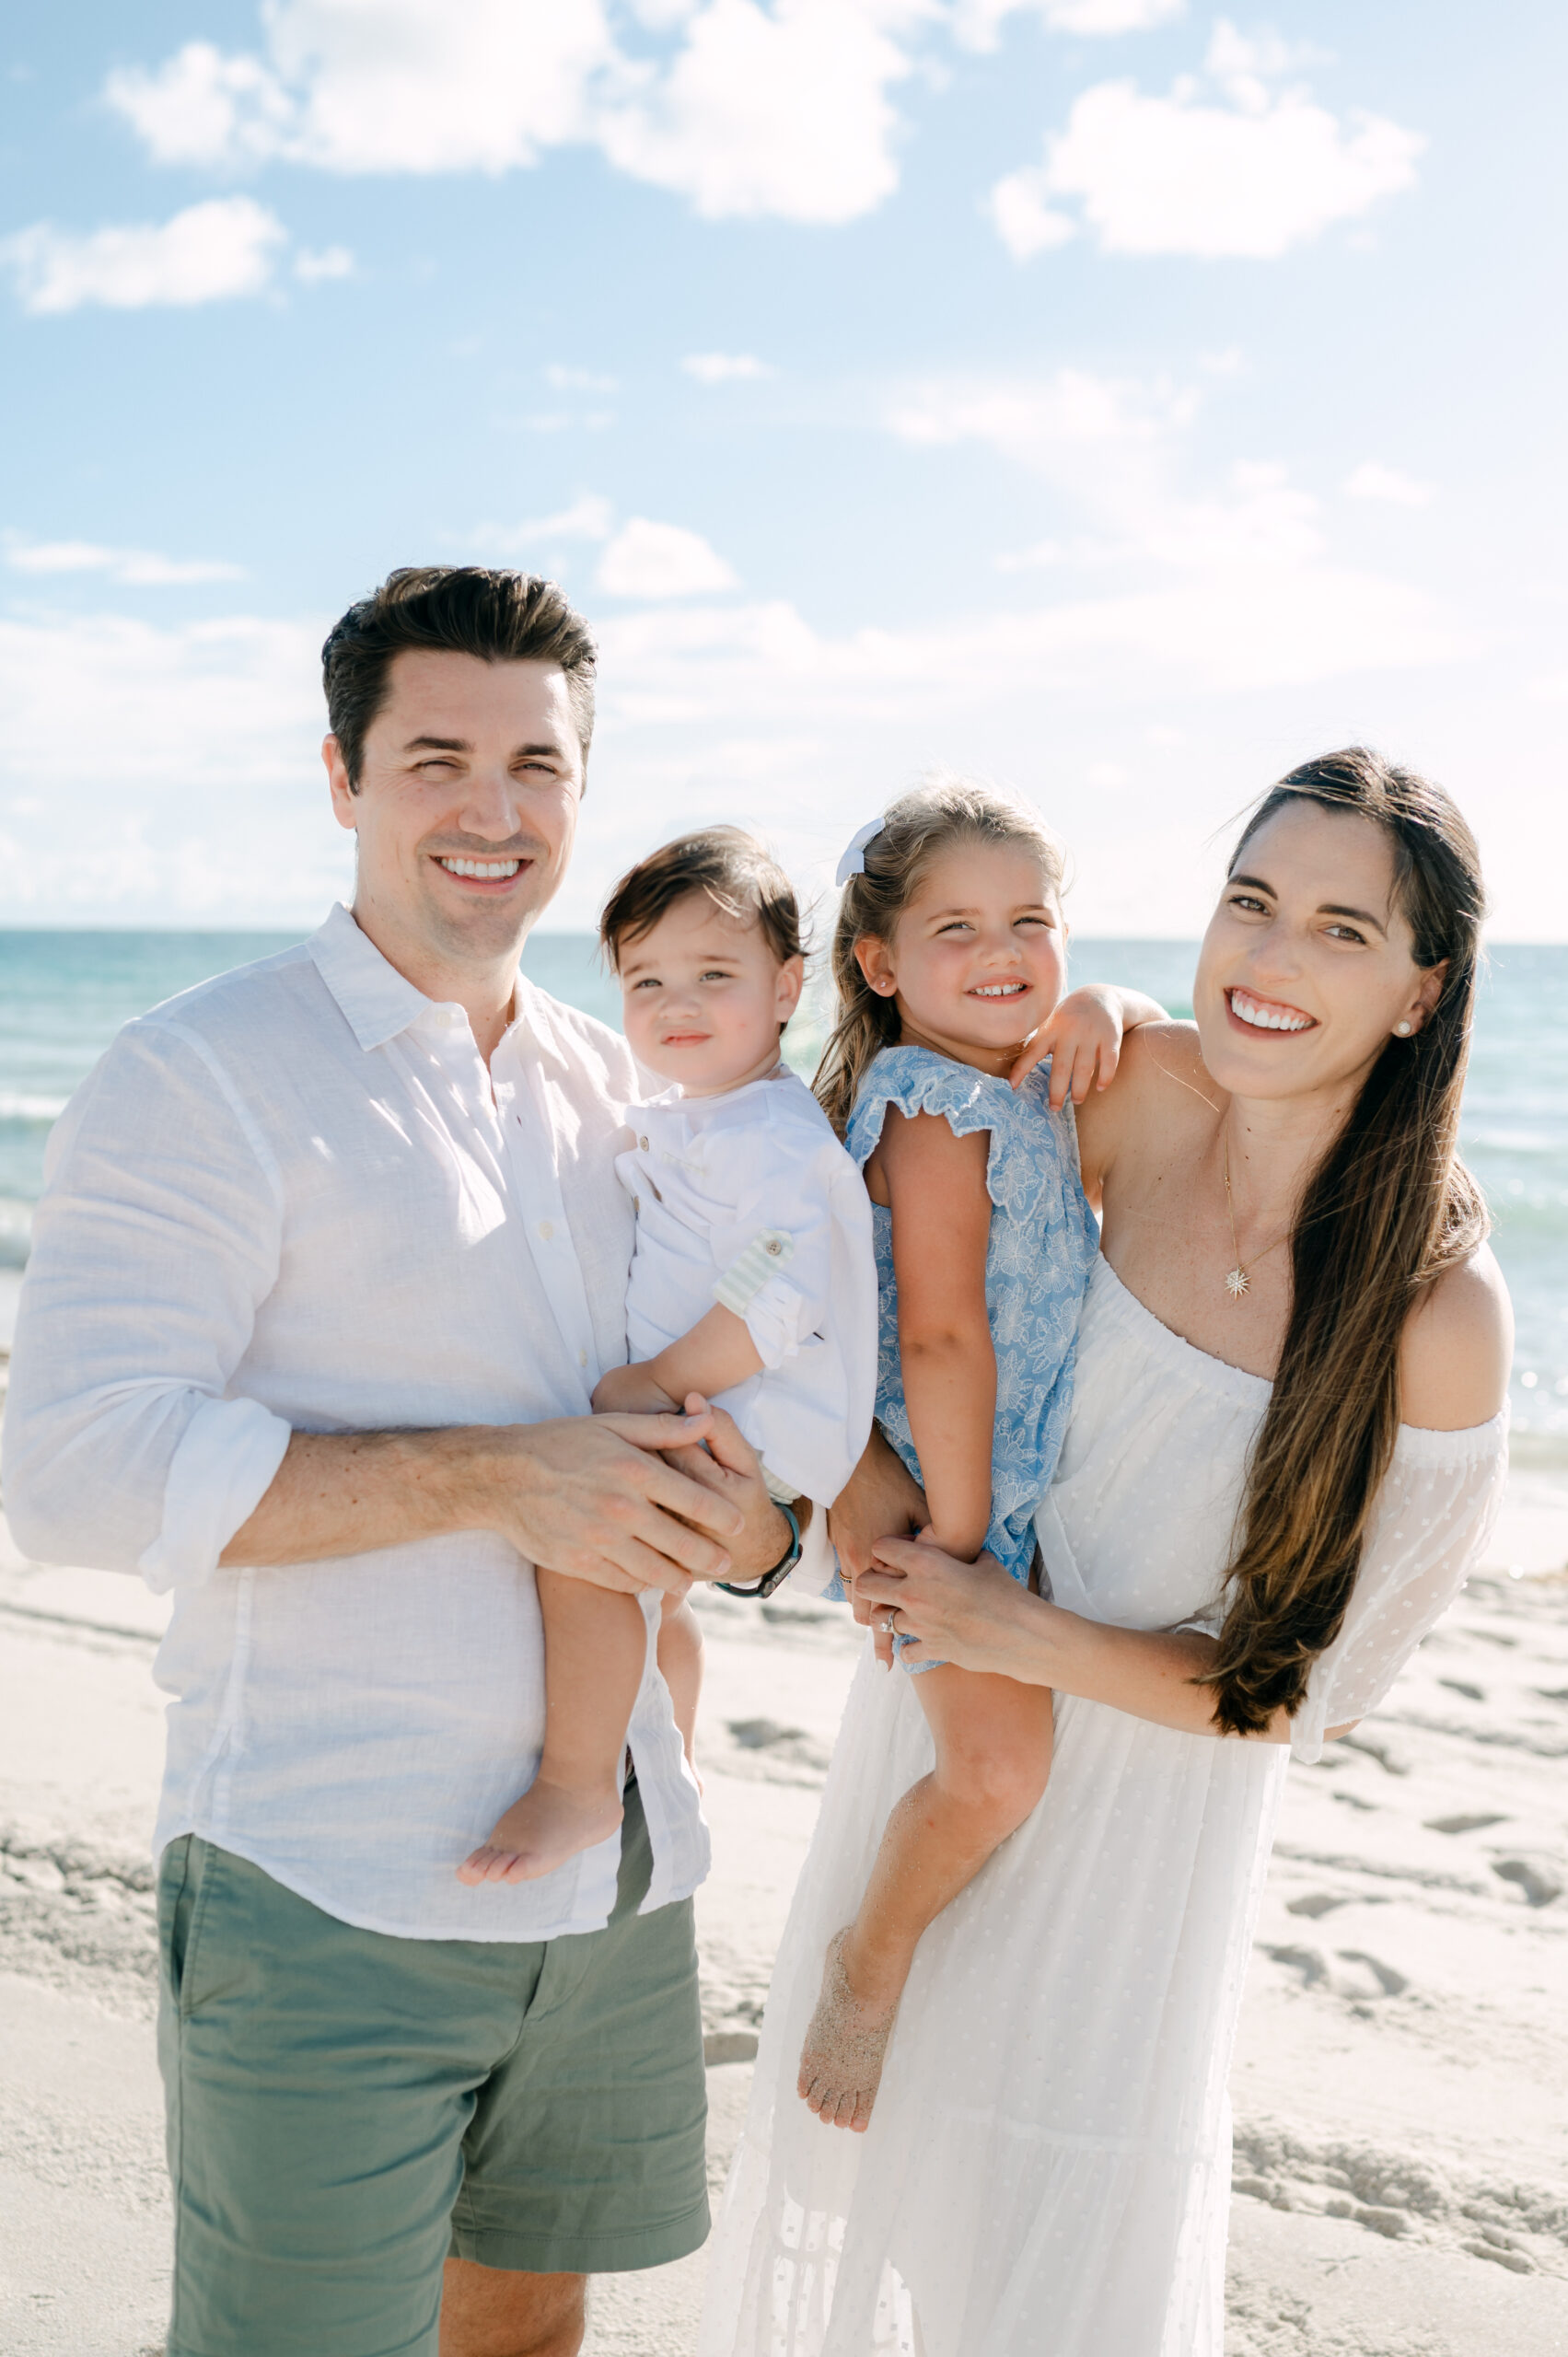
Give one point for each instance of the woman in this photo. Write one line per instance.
(1286, 1449)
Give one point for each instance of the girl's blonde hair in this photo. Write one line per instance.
(915, 830)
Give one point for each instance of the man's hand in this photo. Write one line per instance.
(605, 1498)
(727, 1469)
(594, 1497)
(880, 1500)
(632, 1391)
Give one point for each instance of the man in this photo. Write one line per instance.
(331, 1256)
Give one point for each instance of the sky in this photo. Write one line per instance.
(1112, 398)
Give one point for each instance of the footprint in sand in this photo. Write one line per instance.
(1541, 1880)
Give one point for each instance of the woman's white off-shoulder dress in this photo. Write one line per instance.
(1047, 2172)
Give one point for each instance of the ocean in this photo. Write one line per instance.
(63, 995)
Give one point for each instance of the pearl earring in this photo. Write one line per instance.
(1402, 1030)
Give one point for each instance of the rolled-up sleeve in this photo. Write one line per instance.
(156, 1241)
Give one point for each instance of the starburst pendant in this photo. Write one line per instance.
(1237, 1282)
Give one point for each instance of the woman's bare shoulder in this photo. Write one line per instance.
(1457, 1348)
(1161, 1076)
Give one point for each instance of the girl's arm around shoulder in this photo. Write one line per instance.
(1457, 1349)
(1082, 1038)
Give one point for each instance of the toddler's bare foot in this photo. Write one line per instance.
(549, 1825)
(841, 2062)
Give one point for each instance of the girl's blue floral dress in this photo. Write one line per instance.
(1043, 1244)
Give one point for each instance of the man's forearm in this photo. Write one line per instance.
(596, 1497)
(347, 1493)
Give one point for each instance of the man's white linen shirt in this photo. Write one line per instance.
(294, 1199)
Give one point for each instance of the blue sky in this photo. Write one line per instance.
(1117, 398)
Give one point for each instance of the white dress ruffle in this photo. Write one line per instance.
(1047, 2172)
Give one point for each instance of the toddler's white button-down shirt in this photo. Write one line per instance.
(749, 1198)
(294, 1200)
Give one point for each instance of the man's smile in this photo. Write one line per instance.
(488, 874)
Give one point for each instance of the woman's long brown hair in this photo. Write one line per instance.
(1389, 1209)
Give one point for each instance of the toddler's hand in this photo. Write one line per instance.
(631, 1391)
(1084, 1034)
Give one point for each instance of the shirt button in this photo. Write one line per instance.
(582, 1358)
(547, 1228)
(643, 1143)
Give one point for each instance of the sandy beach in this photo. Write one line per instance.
(1401, 2169)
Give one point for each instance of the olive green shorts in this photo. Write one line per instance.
(347, 2110)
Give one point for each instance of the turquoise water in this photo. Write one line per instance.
(63, 995)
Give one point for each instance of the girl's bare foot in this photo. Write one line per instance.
(549, 1824)
(841, 2062)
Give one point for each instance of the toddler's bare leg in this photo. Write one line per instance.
(992, 1758)
(595, 1645)
(680, 1666)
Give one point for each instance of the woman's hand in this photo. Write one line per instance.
(969, 1614)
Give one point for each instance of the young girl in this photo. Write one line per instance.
(753, 1282)
(949, 953)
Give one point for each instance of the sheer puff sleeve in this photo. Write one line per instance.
(1434, 1512)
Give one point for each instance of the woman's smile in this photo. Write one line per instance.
(1266, 1013)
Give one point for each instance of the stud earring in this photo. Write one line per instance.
(1402, 1030)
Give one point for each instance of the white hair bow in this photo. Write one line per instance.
(853, 860)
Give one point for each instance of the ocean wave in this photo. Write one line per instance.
(18, 1108)
(1537, 1449)
(16, 1232)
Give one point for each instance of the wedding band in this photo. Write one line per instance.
(888, 1624)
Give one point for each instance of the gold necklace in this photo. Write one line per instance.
(1238, 1281)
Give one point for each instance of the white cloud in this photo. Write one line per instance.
(138, 568)
(225, 247)
(1113, 450)
(379, 86)
(1030, 560)
(331, 262)
(1254, 175)
(1024, 221)
(188, 759)
(588, 518)
(657, 560)
(1047, 422)
(977, 22)
(202, 108)
(724, 368)
(783, 112)
(745, 108)
(577, 380)
(1370, 480)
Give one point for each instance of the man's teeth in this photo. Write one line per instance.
(998, 990)
(485, 870)
(1267, 1018)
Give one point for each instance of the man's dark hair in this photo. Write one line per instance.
(738, 873)
(468, 608)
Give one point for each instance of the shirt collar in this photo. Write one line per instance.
(378, 1001)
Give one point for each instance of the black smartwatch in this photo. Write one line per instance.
(782, 1569)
